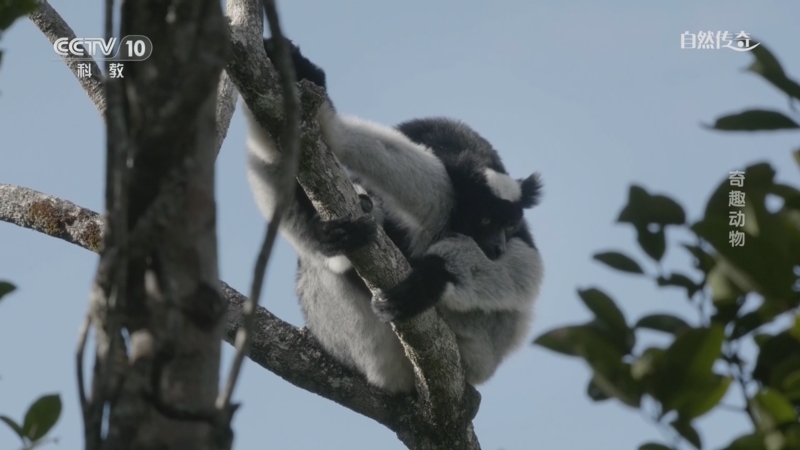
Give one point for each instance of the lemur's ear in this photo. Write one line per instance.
(531, 188)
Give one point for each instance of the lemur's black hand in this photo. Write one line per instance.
(341, 236)
(421, 290)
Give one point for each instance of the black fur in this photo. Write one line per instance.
(303, 68)
(421, 290)
(344, 235)
(465, 153)
(531, 191)
(455, 143)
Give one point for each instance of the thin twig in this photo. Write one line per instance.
(290, 139)
(226, 106)
(82, 336)
(735, 363)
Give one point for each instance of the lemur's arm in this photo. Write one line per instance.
(457, 273)
(403, 173)
(407, 176)
(325, 240)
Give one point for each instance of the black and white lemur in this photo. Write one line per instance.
(442, 195)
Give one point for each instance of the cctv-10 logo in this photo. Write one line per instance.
(130, 48)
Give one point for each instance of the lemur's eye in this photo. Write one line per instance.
(485, 221)
(366, 203)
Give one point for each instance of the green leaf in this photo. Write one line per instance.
(41, 416)
(680, 280)
(765, 61)
(13, 425)
(654, 243)
(745, 324)
(701, 398)
(796, 155)
(662, 322)
(760, 265)
(723, 290)
(621, 338)
(681, 378)
(773, 409)
(794, 331)
(6, 288)
(754, 120)
(11, 10)
(753, 320)
(644, 366)
(562, 340)
(791, 434)
(791, 382)
(782, 373)
(695, 350)
(611, 375)
(790, 195)
(703, 260)
(775, 350)
(603, 307)
(761, 338)
(726, 311)
(569, 339)
(748, 442)
(619, 261)
(767, 65)
(644, 209)
(654, 446)
(595, 393)
(685, 429)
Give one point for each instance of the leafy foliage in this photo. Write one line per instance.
(42, 415)
(689, 377)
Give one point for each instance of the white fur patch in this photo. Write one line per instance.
(449, 290)
(503, 186)
(338, 264)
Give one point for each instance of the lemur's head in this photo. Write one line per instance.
(490, 204)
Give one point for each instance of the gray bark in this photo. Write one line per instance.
(157, 279)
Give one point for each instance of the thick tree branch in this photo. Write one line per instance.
(54, 27)
(52, 216)
(279, 347)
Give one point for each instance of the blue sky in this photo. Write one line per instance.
(594, 97)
